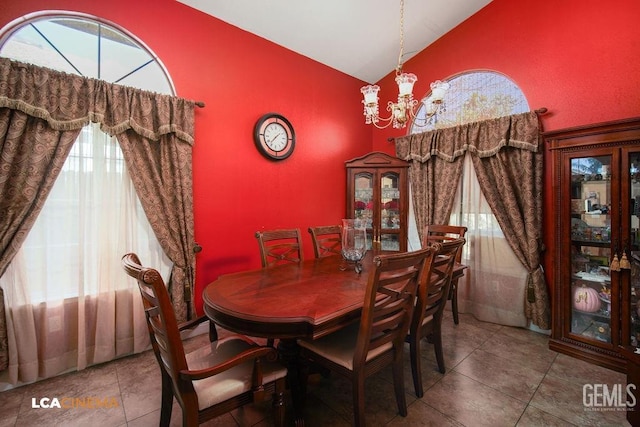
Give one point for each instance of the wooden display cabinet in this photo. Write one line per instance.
(596, 272)
(377, 192)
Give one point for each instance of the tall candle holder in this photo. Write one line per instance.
(354, 242)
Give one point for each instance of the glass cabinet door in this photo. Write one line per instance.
(389, 211)
(631, 228)
(591, 236)
(363, 203)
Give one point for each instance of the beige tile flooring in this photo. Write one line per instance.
(496, 376)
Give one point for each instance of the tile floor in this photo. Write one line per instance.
(496, 376)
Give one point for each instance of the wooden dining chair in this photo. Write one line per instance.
(327, 240)
(213, 379)
(427, 317)
(279, 246)
(377, 341)
(443, 233)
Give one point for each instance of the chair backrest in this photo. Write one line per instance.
(442, 233)
(327, 240)
(432, 296)
(161, 320)
(279, 246)
(390, 300)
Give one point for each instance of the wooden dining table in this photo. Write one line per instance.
(309, 299)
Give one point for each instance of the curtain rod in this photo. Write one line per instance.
(540, 111)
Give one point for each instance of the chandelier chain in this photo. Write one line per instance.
(399, 68)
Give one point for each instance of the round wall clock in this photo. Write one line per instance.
(274, 136)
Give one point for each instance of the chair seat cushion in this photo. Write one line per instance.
(232, 382)
(339, 347)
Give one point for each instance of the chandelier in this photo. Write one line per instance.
(403, 110)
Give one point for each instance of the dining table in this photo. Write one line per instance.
(309, 299)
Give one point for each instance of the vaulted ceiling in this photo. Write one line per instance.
(358, 37)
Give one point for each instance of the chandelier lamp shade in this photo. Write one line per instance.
(405, 109)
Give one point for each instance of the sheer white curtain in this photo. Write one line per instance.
(494, 285)
(69, 304)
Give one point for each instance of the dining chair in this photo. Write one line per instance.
(279, 246)
(327, 240)
(377, 340)
(443, 233)
(430, 303)
(211, 380)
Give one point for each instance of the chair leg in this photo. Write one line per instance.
(213, 332)
(398, 385)
(358, 400)
(416, 367)
(190, 416)
(278, 404)
(436, 338)
(453, 296)
(167, 401)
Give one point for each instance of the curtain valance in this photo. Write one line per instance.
(483, 139)
(69, 102)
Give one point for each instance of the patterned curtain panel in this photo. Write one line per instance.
(162, 176)
(31, 158)
(48, 108)
(508, 161)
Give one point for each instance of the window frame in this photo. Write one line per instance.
(10, 29)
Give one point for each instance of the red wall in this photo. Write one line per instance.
(578, 58)
(240, 76)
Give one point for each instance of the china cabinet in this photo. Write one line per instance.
(596, 272)
(377, 192)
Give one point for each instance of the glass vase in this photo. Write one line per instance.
(354, 242)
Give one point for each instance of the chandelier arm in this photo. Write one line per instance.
(387, 120)
(411, 105)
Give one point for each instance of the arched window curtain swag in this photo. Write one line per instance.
(508, 161)
(484, 139)
(41, 114)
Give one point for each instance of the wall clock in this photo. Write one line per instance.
(274, 136)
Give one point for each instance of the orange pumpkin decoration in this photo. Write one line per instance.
(586, 299)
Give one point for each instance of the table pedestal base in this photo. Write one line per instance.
(290, 354)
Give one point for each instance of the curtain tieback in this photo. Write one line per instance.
(185, 272)
(531, 292)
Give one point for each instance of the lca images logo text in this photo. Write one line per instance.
(74, 402)
(603, 397)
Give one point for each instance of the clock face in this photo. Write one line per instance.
(274, 136)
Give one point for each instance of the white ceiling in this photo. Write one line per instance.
(358, 37)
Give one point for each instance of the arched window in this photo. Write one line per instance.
(84, 45)
(473, 96)
(68, 270)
